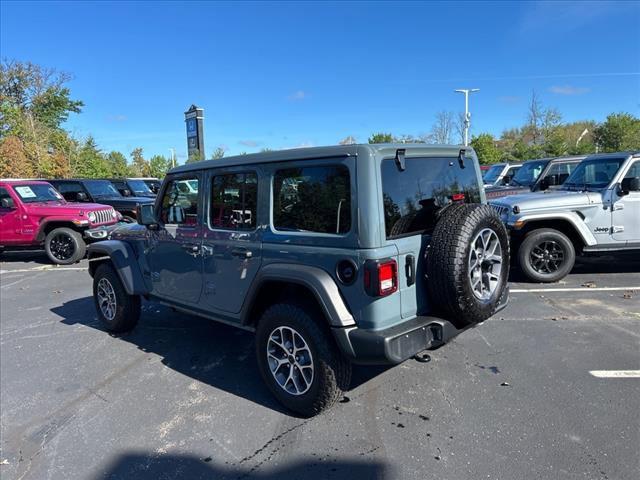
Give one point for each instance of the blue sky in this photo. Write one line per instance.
(282, 75)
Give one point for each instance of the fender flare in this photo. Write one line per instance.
(570, 217)
(124, 261)
(318, 281)
(40, 235)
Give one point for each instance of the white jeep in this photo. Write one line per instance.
(596, 210)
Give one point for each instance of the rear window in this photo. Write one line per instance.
(312, 199)
(413, 197)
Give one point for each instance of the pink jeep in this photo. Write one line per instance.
(33, 213)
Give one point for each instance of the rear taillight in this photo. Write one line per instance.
(381, 277)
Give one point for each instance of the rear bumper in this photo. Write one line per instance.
(396, 344)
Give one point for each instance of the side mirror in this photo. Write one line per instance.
(7, 203)
(126, 192)
(506, 179)
(146, 216)
(631, 184)
(81, 197)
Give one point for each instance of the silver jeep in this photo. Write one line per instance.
(596, 210)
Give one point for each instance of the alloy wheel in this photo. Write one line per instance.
(62, 246)
(290, 360)
(485, 264)
(546, 257)
(107, 299)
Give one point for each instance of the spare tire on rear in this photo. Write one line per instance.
(467, 263)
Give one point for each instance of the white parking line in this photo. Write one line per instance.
(579, 289)
(41, 269)
(615, 373)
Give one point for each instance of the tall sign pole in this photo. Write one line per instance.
(467, 113)
(194, 119)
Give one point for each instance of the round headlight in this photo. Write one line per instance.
(516, 209)
(91, 217)
(114, 214)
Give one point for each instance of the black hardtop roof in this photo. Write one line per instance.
(79, 179)
(317, 153)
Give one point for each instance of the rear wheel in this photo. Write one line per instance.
(546, 255)
(117, 310)
(299, 361)
(64, 246)
(468, 263)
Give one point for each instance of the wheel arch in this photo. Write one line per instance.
(563, 225)
(307, 284)
(123, 259)
(51, 224)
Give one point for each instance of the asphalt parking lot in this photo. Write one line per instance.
(517, 397)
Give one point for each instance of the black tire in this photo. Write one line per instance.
(64, 246)
(448, 257)
(127, 307)
(331, 371)
(539, 253)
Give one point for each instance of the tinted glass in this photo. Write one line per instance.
(4, 194)
(138, 187)
(312, 199)
(180, 204)
(233, 202)
(561, 171)
(529, 173)
(493, 173)
(596, 173)
(634, 171)
(37, 192)
(413, 197)
(101, 188)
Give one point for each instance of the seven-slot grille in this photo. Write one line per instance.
(501, 210)
(104, 216)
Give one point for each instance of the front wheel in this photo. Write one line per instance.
(546, 255)
(117, 310)
(64, 246)
(299, 361)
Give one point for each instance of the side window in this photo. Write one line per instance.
(634, 171)
(180, 202)
(561, 171)
(69, 190)
(5, 199)
(312, 199)
(234, 199)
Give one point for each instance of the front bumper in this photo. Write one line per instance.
(396, 344)
(100, 233)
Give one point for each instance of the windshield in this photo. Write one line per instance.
(529, 173)
(593, 174)
(101, 188)
(492, 174)
(37, 192)
(139, 187)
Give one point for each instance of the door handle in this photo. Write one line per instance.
(410, 269)
(191, 248)
(241, 252)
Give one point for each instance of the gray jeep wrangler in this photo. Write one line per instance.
(332, 256)
(597, 210)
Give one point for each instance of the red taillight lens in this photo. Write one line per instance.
(387, 277)
(380, 277)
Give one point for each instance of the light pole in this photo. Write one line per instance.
(173, 157)
(467, 113)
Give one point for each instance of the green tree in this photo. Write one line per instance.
(621, 131)
(381, 138)
(218, 153)
(486, 148)
(118, 164)
(158, 166)
(91, 162)
(139, 166)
